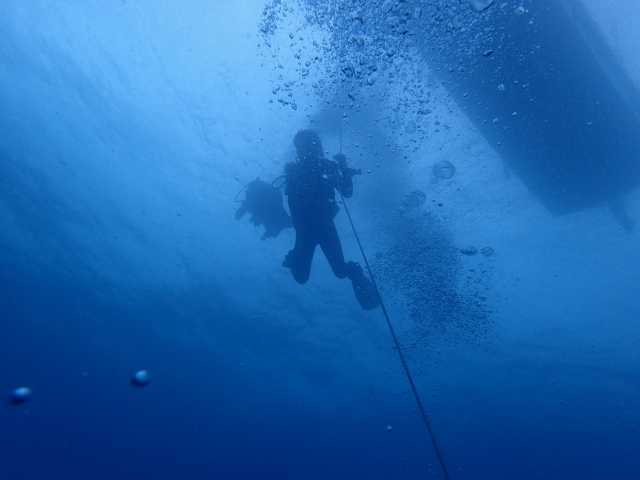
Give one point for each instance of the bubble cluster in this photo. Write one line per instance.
(413, 200)
(350, 53)
(444, 293)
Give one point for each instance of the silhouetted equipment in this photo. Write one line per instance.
(263, 202)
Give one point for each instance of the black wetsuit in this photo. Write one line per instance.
(310, 189)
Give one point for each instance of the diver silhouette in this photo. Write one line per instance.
(310, 185)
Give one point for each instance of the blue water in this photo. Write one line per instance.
(128, 129)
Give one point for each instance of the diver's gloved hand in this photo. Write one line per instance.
(347, 171)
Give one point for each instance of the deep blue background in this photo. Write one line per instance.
(126, 131)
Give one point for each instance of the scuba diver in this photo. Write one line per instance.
(310, 185)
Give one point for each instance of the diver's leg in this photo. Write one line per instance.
(299, 259)
(363, 288)
(332, 249)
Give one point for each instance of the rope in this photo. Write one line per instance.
(403, 360)
(392, 331)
